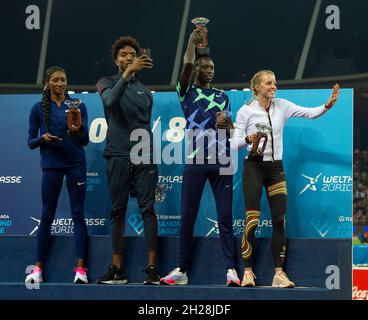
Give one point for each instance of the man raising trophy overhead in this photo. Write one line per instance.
(207, 111)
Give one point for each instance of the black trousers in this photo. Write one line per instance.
(256, 175)
(123, 177)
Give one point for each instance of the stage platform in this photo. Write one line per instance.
(135, 291)
(307, 263)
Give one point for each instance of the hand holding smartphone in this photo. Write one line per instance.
(49, 138)
(145, 58)
(55, 138)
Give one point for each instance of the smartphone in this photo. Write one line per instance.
(146, 51)
(55, 138)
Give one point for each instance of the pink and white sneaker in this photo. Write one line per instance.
(232, 279)
(80, 275)
(175, 277)
(35, 276)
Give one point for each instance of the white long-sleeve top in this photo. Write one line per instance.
(281, 110)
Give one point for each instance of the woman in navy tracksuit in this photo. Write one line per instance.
(62, 154)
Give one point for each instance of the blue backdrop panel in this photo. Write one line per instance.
(317, 159)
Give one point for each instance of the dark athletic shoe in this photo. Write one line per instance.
(152, 276)
(113, 276)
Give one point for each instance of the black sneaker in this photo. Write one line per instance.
(113, 276)
(152, 275)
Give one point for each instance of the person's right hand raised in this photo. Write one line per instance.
(333, 98)
(195, 37)
(142, 62)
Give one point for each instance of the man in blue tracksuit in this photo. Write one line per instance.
(128, 106)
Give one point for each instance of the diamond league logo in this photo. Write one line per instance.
(324, 183)
(136, 222)
(166, 224)
(322, 226)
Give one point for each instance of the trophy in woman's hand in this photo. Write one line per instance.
(259, 145)
(201, 48)
(74, 116)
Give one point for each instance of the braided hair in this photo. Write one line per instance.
(46, 95)
(256, 80)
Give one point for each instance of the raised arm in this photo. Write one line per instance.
(293, 110)
(188, 63)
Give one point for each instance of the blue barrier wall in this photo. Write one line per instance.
(18, 251)
(360, 255)
(317, 160)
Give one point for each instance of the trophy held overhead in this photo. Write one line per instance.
(202, 48)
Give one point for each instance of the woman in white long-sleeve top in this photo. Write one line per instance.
(265, 168)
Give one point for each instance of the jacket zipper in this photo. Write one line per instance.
(269, 119)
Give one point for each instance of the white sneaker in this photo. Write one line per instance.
(232, 279)
(248, 279)
(280, 280)
(35, 276)
(80, 275)
(175, 277)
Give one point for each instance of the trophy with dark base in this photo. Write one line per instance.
(201, 48)
(259, 145)
(74, 116)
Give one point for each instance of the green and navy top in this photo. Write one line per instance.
(200, 107)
